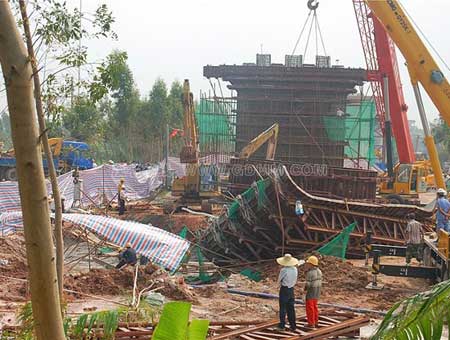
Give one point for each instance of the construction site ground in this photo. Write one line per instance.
(344, 284)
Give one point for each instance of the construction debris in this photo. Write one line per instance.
(331, 324)
(262, 222)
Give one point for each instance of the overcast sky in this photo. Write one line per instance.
(174, 39)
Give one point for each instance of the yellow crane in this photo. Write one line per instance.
(422, 69)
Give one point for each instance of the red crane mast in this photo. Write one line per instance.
(381, 61)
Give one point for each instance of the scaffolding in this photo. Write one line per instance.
(216, 122)
(319, 122)
(356, 127)
(302, 100)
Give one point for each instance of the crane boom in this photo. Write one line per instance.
(421, 66)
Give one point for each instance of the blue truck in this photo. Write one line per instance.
(67, 155)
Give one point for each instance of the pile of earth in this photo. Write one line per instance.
(116, 282)
(13, 268)
(14, 285)
(337, 274)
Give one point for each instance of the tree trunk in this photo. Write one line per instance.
(33, 193)
(48, 153)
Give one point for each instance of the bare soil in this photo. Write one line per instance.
(14, 287)
(344, 283)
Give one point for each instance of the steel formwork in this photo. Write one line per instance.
(300, 99)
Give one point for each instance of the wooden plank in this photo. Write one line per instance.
(337, 329)
(238, 332)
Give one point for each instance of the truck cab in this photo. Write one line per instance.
(76, 155)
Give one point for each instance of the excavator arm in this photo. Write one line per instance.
(422, 69)
(55, 145)
(190, 151)
(270, 136)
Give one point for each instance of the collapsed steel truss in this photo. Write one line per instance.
(262, 222)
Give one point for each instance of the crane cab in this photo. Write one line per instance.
(409, 180)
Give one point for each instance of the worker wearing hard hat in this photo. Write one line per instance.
(287, 280)
(442, 211)
(312, 289)
(127, 257)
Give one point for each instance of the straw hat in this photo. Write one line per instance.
(287, 261)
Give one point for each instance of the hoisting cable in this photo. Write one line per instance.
(312, 5)
(301, 32)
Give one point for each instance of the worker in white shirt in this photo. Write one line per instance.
(287, 280)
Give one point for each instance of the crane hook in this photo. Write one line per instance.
(312, 4)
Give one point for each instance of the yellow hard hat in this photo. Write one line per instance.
(313, 260)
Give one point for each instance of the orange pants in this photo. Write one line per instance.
(312, 312)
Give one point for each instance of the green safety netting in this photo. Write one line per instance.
(338, 245)
(249, 195)
(216, 125)
(356, 128)
(202, 277)
(183, 232)
(251, 274)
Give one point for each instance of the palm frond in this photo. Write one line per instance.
(86, 325)
(418, 317)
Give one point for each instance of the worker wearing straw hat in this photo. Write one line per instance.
(287, 280)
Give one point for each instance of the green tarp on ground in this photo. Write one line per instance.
(338, 245)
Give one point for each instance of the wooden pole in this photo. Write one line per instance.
(18, 77)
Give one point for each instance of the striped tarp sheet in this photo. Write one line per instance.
(103, 181)
(96, 182)
(9, 196)
(10, 222)
(159, 246)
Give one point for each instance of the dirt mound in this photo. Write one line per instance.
(13, 264)
(12, 249)
(13, 272)
(115, 282)
(170, 222)
(337, 273)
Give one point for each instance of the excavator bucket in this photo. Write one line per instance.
(188, 154)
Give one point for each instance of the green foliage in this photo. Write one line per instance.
(5, 132)
(86, 326)
(84, 121)
(198, 330)
(112, 75)
(441, 134)
(174, 324)
(419, 317)
(25, 318)
(58, 31)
